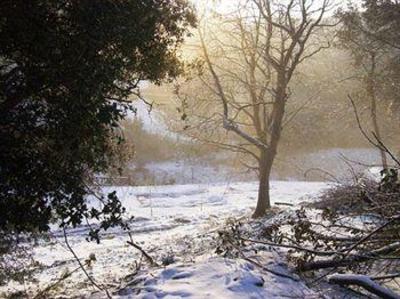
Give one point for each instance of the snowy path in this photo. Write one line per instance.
(169, 220)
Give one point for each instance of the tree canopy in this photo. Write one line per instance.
(371, 34)
(67, 69)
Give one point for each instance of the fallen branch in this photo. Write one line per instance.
(145, 254)
(283, 204)
(375, 231)
(349, 260)
(321, 253)
(365, 282)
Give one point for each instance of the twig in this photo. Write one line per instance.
(359, 123)
(386, 149)
(258, 264)
(385, 277)
(61, 279)
(82, 266)
(378, 144)
(335, 179)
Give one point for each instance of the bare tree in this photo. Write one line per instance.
(248, 66)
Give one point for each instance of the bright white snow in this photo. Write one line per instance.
(172, 222)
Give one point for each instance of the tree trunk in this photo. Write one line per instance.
(263, 202)
(372, 95)
(267, 156)
(378, 133)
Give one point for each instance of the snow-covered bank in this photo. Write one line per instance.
(170, 222)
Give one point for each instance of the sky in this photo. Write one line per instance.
(225, 6)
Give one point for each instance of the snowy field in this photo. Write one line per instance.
(174, 224)
(312, 166)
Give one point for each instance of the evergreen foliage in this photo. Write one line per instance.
(67, 68)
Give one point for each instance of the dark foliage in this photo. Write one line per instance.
(67, 68)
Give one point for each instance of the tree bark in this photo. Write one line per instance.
(263, 202)
(267, 156)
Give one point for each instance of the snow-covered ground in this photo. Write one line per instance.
(172, 223)
(195, 171)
